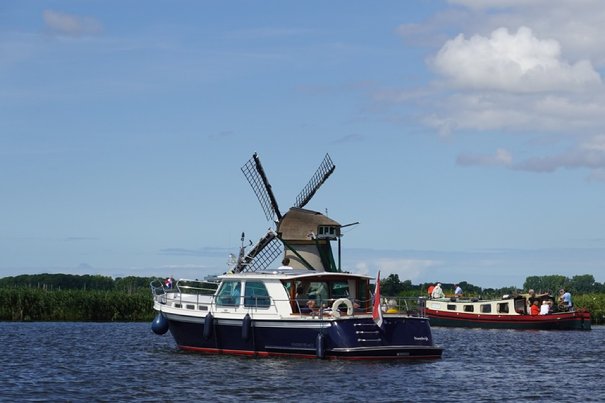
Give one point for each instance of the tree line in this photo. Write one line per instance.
(582, 284)
(68, 297)
(55, 282)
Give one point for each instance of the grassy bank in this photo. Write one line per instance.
(33, 304)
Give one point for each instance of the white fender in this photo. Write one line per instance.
(340, 301)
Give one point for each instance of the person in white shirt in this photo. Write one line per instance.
(545, 308)
(566, 299)
(438, 292)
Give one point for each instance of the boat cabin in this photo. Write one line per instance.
(507, 305)
(287, 292)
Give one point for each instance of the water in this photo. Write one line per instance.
(127, 362)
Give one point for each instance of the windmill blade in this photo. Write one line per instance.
(262, 254)
(323, 172)
(254, 172)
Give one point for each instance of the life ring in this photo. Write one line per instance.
(340, 301)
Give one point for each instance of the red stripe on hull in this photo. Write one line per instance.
(265, 354)
(561, 321)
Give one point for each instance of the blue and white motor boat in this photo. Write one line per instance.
(309, 307)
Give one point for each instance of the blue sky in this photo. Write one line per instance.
(467, 135)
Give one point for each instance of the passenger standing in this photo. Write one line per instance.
(566, 299)
(438, 292)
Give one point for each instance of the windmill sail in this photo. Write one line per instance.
(262, 254)
(292, 231)
(255, 174)
(323, 172)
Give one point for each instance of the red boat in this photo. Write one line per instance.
(509, 312)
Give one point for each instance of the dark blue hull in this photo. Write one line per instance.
(356, 338)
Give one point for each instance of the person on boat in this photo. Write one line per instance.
(392, 306)
(285, 264)
(438, 292)
(535, 308)
(430, 290)
(565, 297)
(545, 308)
(458, 291)
(531, 297)
(302, 298)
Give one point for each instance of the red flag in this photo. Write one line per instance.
(376, 311)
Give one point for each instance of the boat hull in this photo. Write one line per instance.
(351, 338)
(559, 321)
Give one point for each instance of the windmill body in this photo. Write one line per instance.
(307, 235)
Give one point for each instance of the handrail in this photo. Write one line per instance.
(412, 306)
(204, 287)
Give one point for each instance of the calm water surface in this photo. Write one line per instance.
(127, 362)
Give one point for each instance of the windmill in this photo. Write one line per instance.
(300, 234)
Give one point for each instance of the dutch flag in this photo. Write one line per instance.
(376, 311)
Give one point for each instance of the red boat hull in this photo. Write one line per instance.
(578, 320)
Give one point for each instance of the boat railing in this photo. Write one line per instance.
(201, 289)
(158, 291)
(324, 307)
(411, 306)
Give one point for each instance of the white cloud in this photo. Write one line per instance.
(517, 62)
(518, 68)
(587, 154)
(71, 25)
(576, 25)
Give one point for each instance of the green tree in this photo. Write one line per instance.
(391, 285)
(545, 283)
(583, 284)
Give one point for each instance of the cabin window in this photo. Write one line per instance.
(339, 289)
(520, 306)
(503, 307)
(486, 308)
(451, 307)
(256, 295)
(327, 231)
(362, 292)
(318, 290)
(229, 294)
(469, 308)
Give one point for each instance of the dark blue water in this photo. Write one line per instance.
(127, 362)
